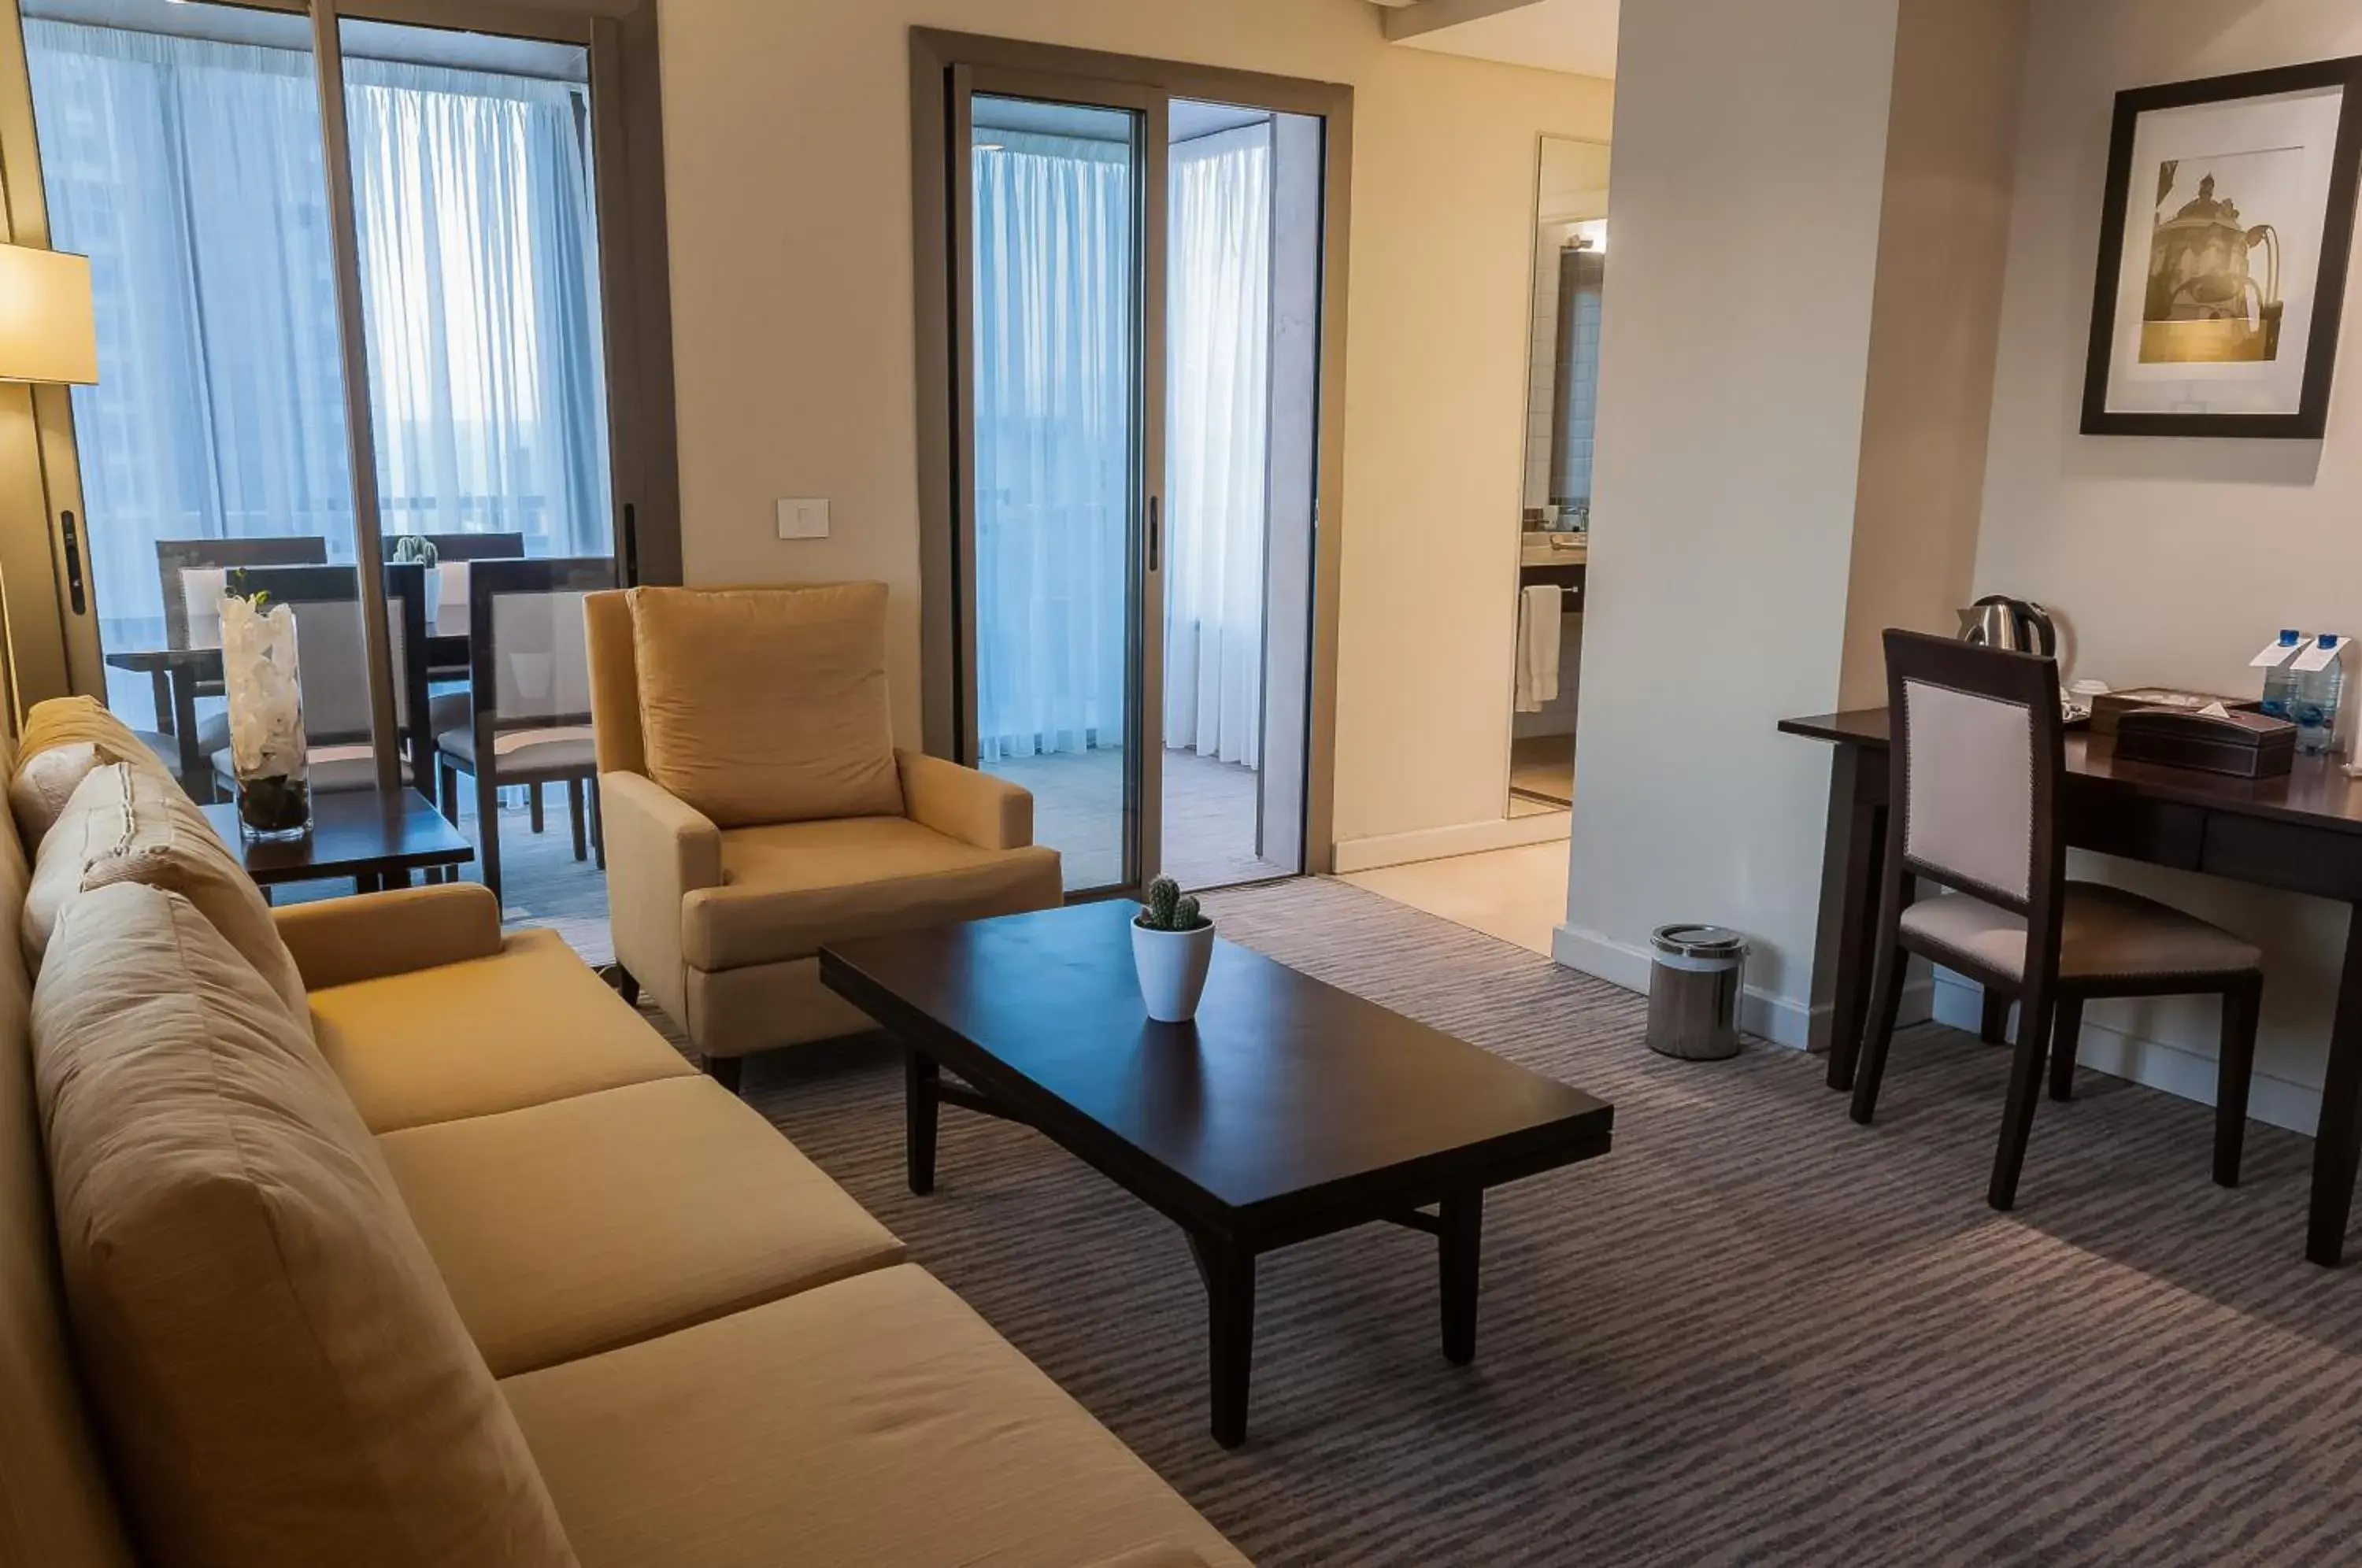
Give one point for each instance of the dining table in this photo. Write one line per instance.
(178, 671)
(2301, 834)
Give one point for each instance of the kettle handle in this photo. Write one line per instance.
(2046, 629)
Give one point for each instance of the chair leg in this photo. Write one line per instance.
(2025, 1093)
(574, 817)
(1885, 1003)
(449, 791)
(2065, 1032)
(532, 807)
(488, 833)
(1993, 1027)
(598, 823)
(627, 985)
(2242, 1008)
(727, 1071)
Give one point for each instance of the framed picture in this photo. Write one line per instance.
(2223, 253)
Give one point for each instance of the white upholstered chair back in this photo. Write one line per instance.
(541, 669)
(1968, 811)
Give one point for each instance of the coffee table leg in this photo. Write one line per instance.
(1462, 1216)
(920, 1075)
(1229, 1273)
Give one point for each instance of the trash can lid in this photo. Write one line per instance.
(1697, 942)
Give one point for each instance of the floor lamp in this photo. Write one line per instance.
(49, 336)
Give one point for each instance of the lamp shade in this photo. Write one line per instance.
(48, 332)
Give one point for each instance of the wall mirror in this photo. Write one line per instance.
(1570, 276)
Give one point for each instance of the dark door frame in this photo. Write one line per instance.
(937, 58)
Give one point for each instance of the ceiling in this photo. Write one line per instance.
(1577, 36)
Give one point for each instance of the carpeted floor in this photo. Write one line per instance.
(1754, 1334)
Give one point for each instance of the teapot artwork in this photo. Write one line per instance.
(2205, 302)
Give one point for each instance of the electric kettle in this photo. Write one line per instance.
(2018, 625)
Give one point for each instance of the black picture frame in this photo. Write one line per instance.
(2311, 417)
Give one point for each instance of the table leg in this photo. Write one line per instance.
(1462, 1216)
(1865, 864)
(397, 877)
(2336, 1151)
(1229, 1271)
(159, 691)
(196, 768)
(921, 1077)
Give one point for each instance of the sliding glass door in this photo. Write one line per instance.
(327, 320)
(1061, 203)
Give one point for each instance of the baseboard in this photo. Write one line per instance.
(1437, 843)
(1783, 1020)
(2172, 1069)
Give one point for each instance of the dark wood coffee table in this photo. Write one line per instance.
(377, 840)
(1290, 1110)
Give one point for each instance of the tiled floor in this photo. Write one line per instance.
(1210, 817)
(1517, 895)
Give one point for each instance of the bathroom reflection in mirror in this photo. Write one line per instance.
(1570, 277)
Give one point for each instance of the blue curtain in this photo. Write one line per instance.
(190, 173)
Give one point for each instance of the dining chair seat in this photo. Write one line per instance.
(527, 754)
(447, 711)
(2105, 933)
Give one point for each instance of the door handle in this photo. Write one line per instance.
(73, 542)
(1155, 531)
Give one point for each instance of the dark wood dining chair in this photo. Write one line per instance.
(1979, 756)
(529, 693)
(334, 669)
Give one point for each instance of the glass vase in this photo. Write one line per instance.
(264, 679)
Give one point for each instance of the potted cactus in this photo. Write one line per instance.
(1171, 944)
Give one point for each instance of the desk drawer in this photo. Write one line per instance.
(2116, 821)
(2320, 861)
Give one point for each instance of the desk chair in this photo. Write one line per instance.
(529, 697)
(334, 669)
(1980, 764)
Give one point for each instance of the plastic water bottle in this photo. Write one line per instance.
(2281, 681)
(2318, 694)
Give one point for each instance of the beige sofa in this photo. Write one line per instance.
(450, 1259)
(755, 809)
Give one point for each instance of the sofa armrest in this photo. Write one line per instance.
(660, 849)
(962, 803)
(339, 941)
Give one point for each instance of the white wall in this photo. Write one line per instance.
(1750, 144)
(2173, 560)
(788, 167)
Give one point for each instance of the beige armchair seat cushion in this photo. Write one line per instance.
(875, 1420)
(790, 887)
(2106, 933)
(768, 704)
(531, 1025)
(567, 1228)
(128, 823)
(279, 1368)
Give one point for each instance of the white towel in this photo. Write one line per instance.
(1540, 611)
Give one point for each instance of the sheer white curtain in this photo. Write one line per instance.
(190, 173)
(1217, 350)
(1054, 357)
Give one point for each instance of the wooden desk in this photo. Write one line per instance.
(2302, 833)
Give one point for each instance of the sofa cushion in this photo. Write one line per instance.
(533, 1023)
(281, 1371)
(43, 783)
(128, 824)
(876, 1419)
(571, 1227)
(65, 738)
(790, 887)
(768, 704)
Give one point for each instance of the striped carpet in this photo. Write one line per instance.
(1754, 1334)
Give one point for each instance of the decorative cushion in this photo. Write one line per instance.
(65, 739)
(133, 824)
(2105, 933)
(282, 1373)
(768, 704)
(45, 782)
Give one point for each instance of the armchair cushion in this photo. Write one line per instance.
(973, 807)
(790, 887)
(338, 942)
(768, 704)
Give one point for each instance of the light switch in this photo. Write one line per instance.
(804, 518)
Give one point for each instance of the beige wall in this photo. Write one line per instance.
(788, 164)
(2172, 560)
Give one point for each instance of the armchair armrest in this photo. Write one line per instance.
(660, 849)
(339, 941)
(962, 803)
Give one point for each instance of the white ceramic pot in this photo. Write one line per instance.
(1172, 966)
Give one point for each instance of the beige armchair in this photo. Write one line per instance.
(755, 809)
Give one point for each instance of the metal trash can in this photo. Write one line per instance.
(1693, 989)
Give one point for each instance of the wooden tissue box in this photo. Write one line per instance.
(2243, 744)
